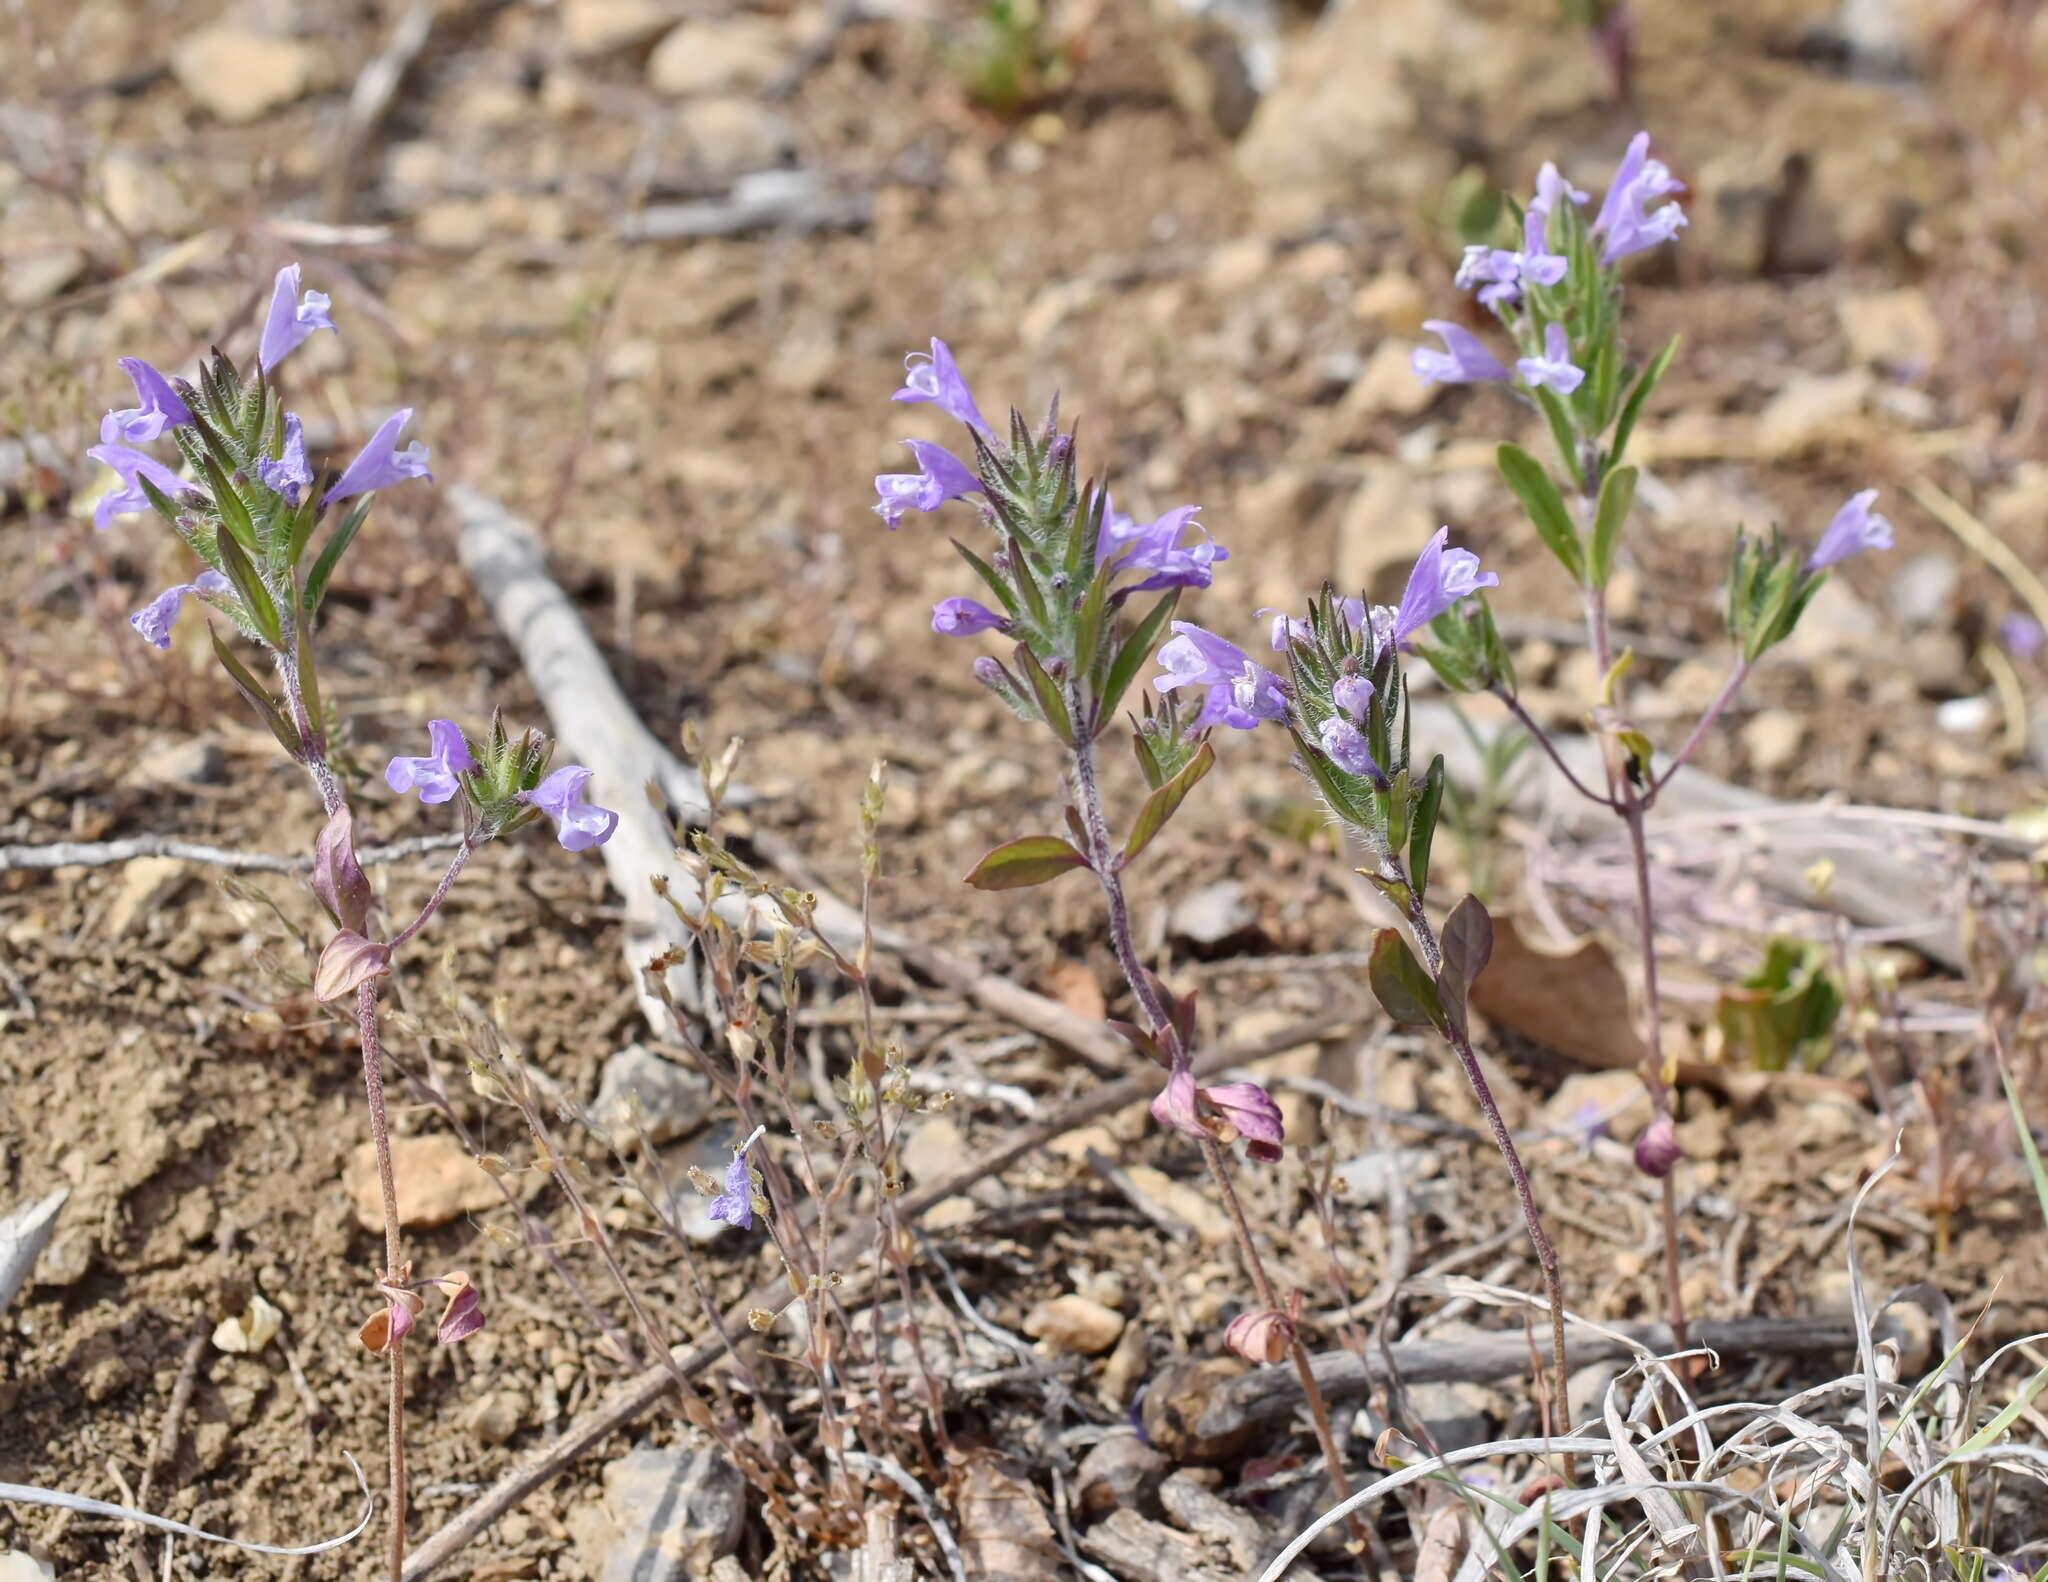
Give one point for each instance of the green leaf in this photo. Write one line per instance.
(1123, 670)
(1606, 374)
(309, 679)
(2026, 1135)
(1633, 407)
(1561, 433)
(1465, 943)
(986, 572)
(1161, 804)
(1027, 584)
(160, 503)
(1617, 494)
(234, 515)
(1050, 702)
(1033, 860)
(235, 563)
(1401, 986)
(330, 555)
(259, 700)
(1088, 623)
(1426, 807)
(1539, 497)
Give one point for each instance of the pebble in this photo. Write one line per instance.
(18, 1565)
(145, 885)
(1923, 590)
(1183, 1202)
(597, 27)
(667, 1516)
(1121, 1471)
(641, 1095)
(1387, 385)
(1213, 918)
(732, 55)
(34, 277)
(495, 1416)
(734, 133)
(437, 1182)
(935, 1149)
(1809, 409)
(1895, 331)
(1076, 1325)
(250, 1330)
(199, 761)
(1966, 716)
(238, 75)
(139, 197)
(1370, 1176)
(1393, 300)
(1772, 739)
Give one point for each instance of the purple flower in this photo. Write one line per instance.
(131, 465)
(1240, 693)
(1352, 694)
(154, 619)
(1156, 548)
(2022, 634)
(158, 407)
(1465, 359)
(1657, 1148)
(1495, 271)
(1555, 367)
(1245, 1110)
(579, 826)
(1854, 529)
(940, 476)
(1345, 747)
(1533, 262)
(289, 475)
(735, 1205)
(1288, 630)
(434, 775)
(962, 618)
(378, 464)
(1442, 576)
(1550, 186)
(291, 319)
(937, 379)
(1623, 220)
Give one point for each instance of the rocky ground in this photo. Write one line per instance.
(646, 276)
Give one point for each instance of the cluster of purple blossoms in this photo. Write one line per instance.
(163, 405)
(1627, 223)
(437, 777)
(1171, 551)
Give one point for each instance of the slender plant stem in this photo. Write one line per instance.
(455, 867)
(1102, 855)
(1542, 739)
(1482, 1090)
(387, 1183)
(1722, 699)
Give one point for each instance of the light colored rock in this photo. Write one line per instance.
(496, 1415)
(1213, 917)
(1834, 621)
(1183, 1202)
(727, 55)
(1772, 739)
(667, 1516)
(34, 276)
(1387, 385)
(1393, 300)
(597, 27)
(250, 1330)
(1895, 331)
(18, 1565)
(1385, 525)
(436, 1180)
(238, 75)
(1809, 410)
(640, 1095)
(1923, 591)
(1076, 1325)
(1613, 1100)
(455, 225)
(141, 199)
(733, 133)
(1369, 1178)
(1966, 716)
(935, 1149)
(1238, 264)
(145, 885)
(197, 761)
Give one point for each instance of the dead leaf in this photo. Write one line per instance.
(1004, 1534)
(1575, 1002)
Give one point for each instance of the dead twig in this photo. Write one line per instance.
(106, 853)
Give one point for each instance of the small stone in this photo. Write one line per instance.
(1388, 520)
(1893, 331)
(732, 133)
(667, 1516)
(139, 197)
(436, 1180)
(1387, 386)
(640, 1095)
(18, 1565)
(1370, 1177)
(495, 1416)
(33, 277)
(730, 55)
(146, 884)
(1076, 1325)
(1811, 409)
(1923, 591)
(104, 1380)
(250, 1330)
(453, 225)
(1966, 716)
(1393, 301)
(1614, 1100)
(238, 75)
(1237, 265)
(935, 1149)
(199, 761)
(1122, 1471)
(1772, 739)
(597, 27)
(1214, 919)
(1182, 1202)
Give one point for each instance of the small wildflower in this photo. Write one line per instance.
(1245, 1110)
(1465, 359)
(1264, 1335)
(1554, 369)
(1624, 219)
(962, 618)
(1288, 630)
(735, 1205)
(1352, 694)
(1495, 271)
(940, 476)
(1442, 576)
(158, 407)
(154, 619)
(1534, 263)
(464, 1315)
(1345, 746)
(289, 475)
(579, 825)
(379, 464)
(937, 379)
(1854, 529)
(1550, 186)
(131, 465)
(434, 775)
(291, 318)
(1657, 1148)
(1241, 693)
(1156, 548)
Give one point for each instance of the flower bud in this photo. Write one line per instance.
(1261, 1336)
(1657, 1149)
(338, 879)
(348, 962)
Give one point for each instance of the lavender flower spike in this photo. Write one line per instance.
(1442, 576)
(159, 406)
(1156, 548)
(1465, 359)
(735, 1205)
(1550, 186)
(1241, 693)
(937, 380)
(380, 464)
(291, 319)
(1345, 746)
(1555, 367)
(289, 476)
(1624, 218)
(579, 825)
(1854, 529)
(131, 465)
(962, 618)
(940, 476)
(154, 619)
(434, 775)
